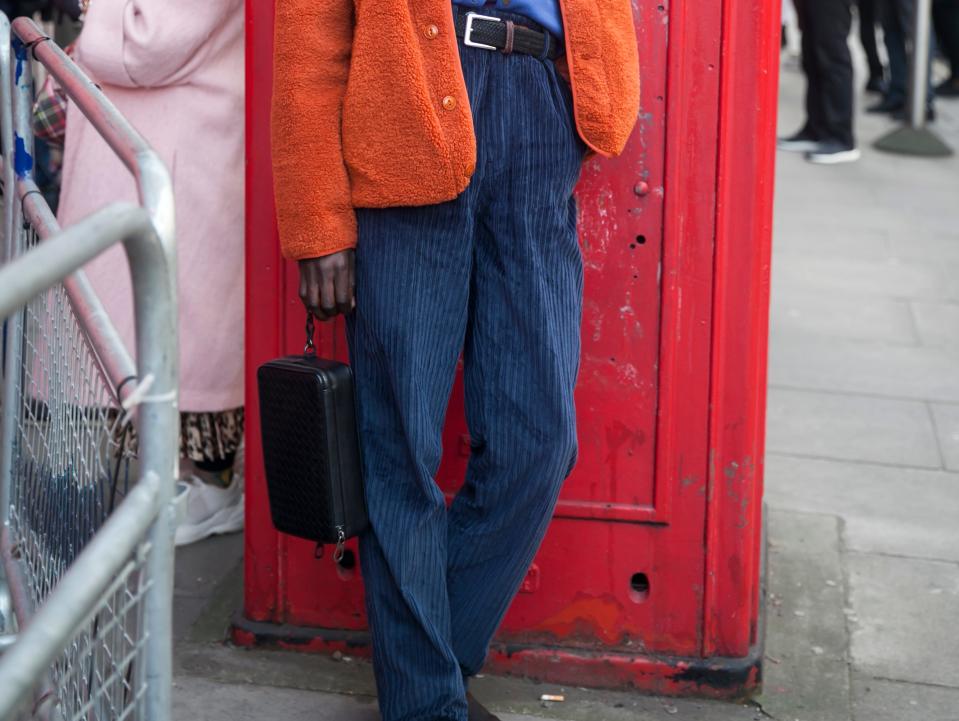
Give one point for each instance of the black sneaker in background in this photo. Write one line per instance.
(832, 152)
(876, 85)
(801, 142)
(886, 105)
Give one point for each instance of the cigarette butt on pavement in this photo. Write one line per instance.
(552, 697)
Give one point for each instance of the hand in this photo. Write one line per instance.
(327, 284)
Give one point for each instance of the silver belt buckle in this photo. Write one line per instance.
(467, 36)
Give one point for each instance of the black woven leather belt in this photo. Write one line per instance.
(493, 33)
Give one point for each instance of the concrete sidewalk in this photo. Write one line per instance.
(862, 480)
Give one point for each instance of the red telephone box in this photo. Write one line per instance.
(650, 573)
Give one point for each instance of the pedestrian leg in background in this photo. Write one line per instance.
(867, 36)
(211, 474)
(895, 39)
(827, 136)
(946, 18)
(791, 39)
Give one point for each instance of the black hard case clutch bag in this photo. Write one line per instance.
(311, 447)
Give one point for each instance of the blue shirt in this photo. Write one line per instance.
(544, 12)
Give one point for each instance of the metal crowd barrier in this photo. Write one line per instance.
(87, 552)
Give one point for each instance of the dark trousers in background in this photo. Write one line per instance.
(867, 36)
(898, 25)
(945, 15)
(827, 63)
(496, 273)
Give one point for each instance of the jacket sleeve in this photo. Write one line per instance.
(313, 41)
(150, 43)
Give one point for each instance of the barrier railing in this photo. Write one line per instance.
(88, 554)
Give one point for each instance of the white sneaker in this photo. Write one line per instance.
(209, 509)
(833, 154)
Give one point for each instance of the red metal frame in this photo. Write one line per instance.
(672, 393)
(750, 73)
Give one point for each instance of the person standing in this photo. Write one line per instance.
(174, 68)
(427, 155)
(827, 134)
(867, 37)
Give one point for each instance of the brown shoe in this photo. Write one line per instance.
(477, 711)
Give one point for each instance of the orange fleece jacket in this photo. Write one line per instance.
(370, 107)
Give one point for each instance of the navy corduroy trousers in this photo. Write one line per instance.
(497, 275)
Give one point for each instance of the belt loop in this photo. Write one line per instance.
(510, 31)
(547, 41)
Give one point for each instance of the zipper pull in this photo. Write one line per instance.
(340, 544)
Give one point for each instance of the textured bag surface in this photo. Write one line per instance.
(311, 448)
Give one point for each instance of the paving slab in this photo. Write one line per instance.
(201, 700)
(201, 566)
(186, 610)
(823, 238)
(946, 418)
(903, 219)
(930, 247)
(902, 511)
(885, 277)
(203, 572)
(850, 427)
(879, 700)
(848, 366)
(806, 674)
(937, 323)
(798, 313)
(904, 627)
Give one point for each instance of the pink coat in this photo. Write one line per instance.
(174, 68)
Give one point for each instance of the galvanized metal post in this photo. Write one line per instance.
(920, 64)
(6, 134)
(153, 267)
(22, 110)
(12, 235)
(7, 418)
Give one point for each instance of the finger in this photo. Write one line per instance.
(311, 299)
(304, 291)
(352, 264)
(328, 294)
(309, 289)
(343, 290)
